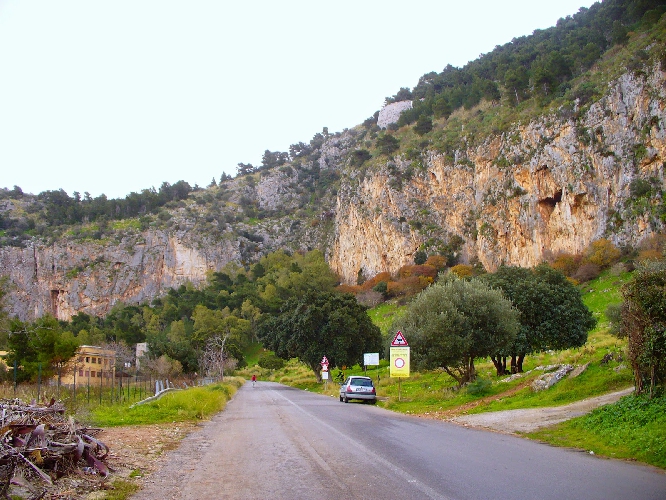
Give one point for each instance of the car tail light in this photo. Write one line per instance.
(349, 389)
(373, 390)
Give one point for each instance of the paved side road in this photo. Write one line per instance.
(275, 442)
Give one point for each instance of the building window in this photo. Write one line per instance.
(87, 359)
(87, 373)
(81, 372)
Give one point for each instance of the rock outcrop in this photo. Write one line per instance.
(554, 184)
(391, 113)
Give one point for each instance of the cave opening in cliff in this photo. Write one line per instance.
(551, 201)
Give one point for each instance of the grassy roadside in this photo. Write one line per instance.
(196, 403)
(190, 405)
(634, 428)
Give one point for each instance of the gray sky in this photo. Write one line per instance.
(117, 96)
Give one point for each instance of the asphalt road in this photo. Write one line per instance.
(275, 442)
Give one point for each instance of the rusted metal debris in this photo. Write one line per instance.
(39, 444)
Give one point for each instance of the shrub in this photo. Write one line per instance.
(374, 281)
(587, 272)
(370, 298)
(422, 270)
(381, 287)
(602, 253)
(462, 271)
(270, 361)
(420, 257)
(436, 261)
(408, 286)
(479, 387)
(566, 263)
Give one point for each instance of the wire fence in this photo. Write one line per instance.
(90, 392)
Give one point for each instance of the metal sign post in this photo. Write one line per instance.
(324, 371)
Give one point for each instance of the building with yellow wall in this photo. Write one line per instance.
(90, 365)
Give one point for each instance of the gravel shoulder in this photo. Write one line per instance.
(531, 419)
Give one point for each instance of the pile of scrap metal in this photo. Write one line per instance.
(39, 444)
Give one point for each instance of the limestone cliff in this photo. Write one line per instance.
(554, 183)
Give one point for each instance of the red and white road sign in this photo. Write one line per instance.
(324, 364)
(399, 340)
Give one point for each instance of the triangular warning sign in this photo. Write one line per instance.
(399, 340)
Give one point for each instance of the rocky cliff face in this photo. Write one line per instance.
(554, 184)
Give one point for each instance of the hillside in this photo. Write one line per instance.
(498, 175)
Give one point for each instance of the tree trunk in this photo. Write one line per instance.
(519, 365)
(514, 366)
(500, 364)
(317, 371)
(471, 373)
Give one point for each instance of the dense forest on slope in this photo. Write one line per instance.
(541, 66)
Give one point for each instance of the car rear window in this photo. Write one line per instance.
(362, 381)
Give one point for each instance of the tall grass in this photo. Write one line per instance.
(196, 403)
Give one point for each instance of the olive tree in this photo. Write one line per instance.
(552, 312)
(454, 322)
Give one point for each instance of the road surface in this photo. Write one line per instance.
(276, 442)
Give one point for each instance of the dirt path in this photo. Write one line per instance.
(527, 420)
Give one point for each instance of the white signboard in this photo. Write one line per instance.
(324, 375)
(371, 358)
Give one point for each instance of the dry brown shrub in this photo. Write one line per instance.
(436, 261)
(587, 272)
(462, 271)
(602, 253)
(370, 298)
(408, 286)
(375, 280)
(566, 263)
(417, 270)
(650, 254)
(343, 288)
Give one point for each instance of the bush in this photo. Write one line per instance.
(436, 261)
(479, 387)
(370, 298)
(462, 271)
(602, 253)
(408, 286)
(381, 287)
(417, 270)
(587, 272)
(270, 361)
(566, 263)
